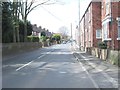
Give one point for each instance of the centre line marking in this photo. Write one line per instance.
(30, 62)
(24, 66)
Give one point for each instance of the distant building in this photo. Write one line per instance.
(37, 31)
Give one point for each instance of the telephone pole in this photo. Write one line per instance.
(79, 42)
(71, 30)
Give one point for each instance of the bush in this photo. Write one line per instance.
(33, 39)
(102, 45)
(43, 38)
(29, 38)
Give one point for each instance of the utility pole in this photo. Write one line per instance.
(79, 42)
(71, 30)
(71, 34)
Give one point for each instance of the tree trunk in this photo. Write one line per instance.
(25, 30)
(14, 31)
(14, 34)
(17, 28)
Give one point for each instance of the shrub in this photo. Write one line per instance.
(29, 38)
(43, 38)
(102, 45)
(35, 39)
(32, 39)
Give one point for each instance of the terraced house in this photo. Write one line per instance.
(111, 24)
(38, 30)
(90, 24)
(101, 23)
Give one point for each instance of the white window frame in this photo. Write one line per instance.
(107, 7)
(89, 10)
(89, 33)
(118, 29)
(98, 33)
(105, 33)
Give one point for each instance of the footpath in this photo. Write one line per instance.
(94, 66)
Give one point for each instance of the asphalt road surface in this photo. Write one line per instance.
(58, 66)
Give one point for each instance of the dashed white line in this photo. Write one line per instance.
(24, 66)
(41, 56)
(31, 61)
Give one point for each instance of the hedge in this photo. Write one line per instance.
(32, 39)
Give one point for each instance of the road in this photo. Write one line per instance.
(58, 66)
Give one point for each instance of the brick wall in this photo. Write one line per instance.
(90, 22)
(115, 13)
(96, 21)
(112, 25)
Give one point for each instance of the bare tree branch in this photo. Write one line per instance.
(26, 8)
(37, 6)
(30, 4)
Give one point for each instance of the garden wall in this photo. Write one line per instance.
(113, 56)
(11, 48)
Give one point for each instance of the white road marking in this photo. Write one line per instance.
(41, 56)
(24, 66)
(31, 61)
(94, 83)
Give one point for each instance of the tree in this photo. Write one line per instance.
(63, 30)
(56, 37)
(11, 14)
(43, 33)
(27, 7)
(7, 26)
(12, 26)
(21, 29)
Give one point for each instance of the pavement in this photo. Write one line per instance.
(93, 65)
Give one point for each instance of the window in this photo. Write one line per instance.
(98, 33)
(89, 33)
(89, 14)
(119, 29)
(107, 4)
(105, 32)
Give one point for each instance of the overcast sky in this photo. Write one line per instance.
(55, 16)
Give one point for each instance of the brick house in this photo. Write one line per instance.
(37, 31)
(90, 26)
(111, 24)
